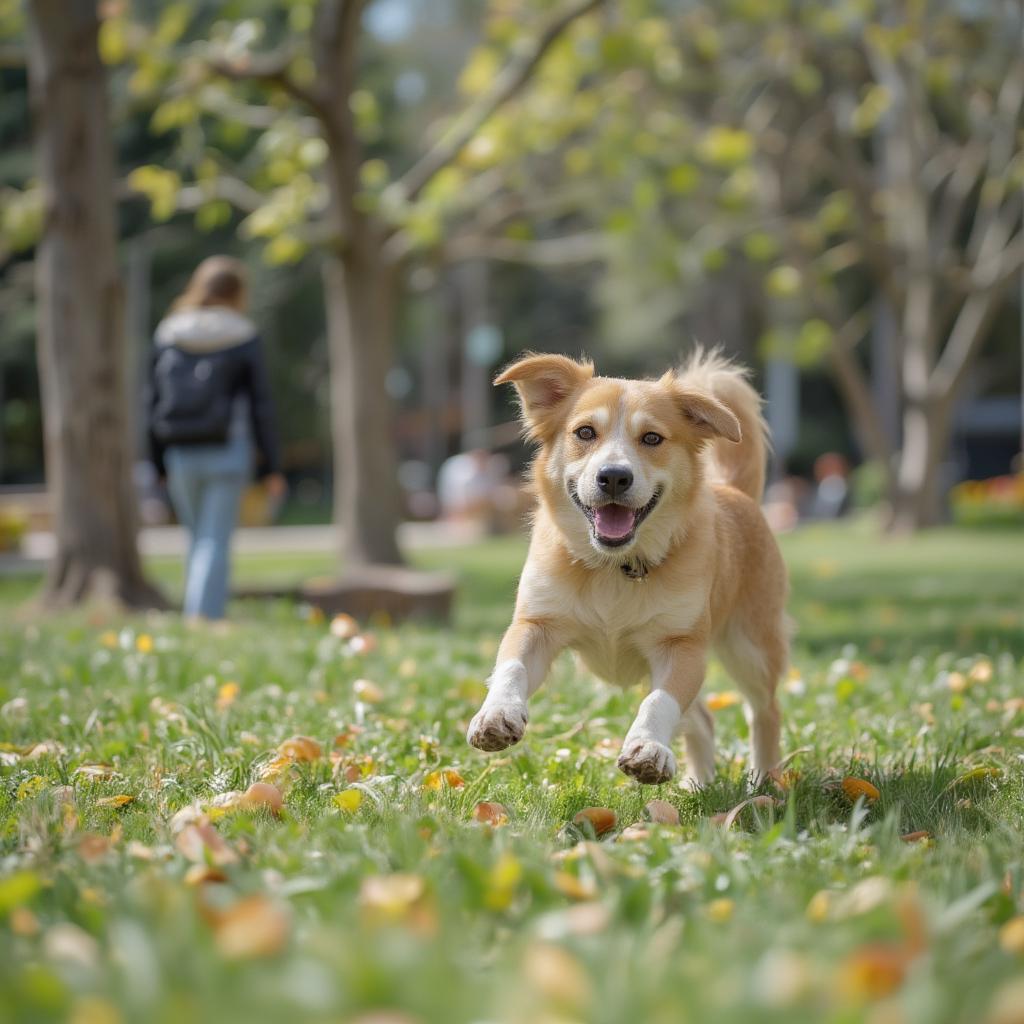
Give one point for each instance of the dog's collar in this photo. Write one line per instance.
(635, 569)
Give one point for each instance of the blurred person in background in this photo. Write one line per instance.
(832, 490)
(472, 486)
(211, 422)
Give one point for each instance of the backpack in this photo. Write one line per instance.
(193, 400)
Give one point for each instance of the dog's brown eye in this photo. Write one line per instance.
(585, 433)
(652, 438)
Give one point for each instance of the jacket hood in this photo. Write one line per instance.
(207, 329)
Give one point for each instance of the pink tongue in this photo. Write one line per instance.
(613, 521)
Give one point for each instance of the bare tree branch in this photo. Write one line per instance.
(969, 333)
(506, 86)
(272, 69)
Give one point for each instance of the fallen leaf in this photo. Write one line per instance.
(367, 691)
(199, 874)
(916, 837)
(93, 847)
(203, 844)
(973, 775)
(634, 833)
(262, 796)
(121, 800)
(662, 812)
(300, 748)
(728, 818)
(95, 772)
(390, 898)
(443, 777)
(854, 788)
(873, 971)
(344, 626)
(574, 887)
(256, 926)
(601, 819)
(46, 748)
(227, 695)
(721, 701)
(348, 800)
(491, 814)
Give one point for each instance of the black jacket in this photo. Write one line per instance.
(203, 361)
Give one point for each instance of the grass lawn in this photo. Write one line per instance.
(130, 892)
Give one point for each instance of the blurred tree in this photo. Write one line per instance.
(311, 183)
(80, 329)
(828, 169)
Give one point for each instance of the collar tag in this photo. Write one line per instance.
(634, 569)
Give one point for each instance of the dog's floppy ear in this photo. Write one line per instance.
(544, 384)
(707, 415)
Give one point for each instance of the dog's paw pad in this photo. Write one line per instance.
(496, 728)
(648, 762)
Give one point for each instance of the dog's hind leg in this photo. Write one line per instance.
(698, 729)
(756, 655)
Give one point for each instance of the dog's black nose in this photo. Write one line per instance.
(614, 480)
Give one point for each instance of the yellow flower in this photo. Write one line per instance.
(144, 643)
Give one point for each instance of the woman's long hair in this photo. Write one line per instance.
(217, 281)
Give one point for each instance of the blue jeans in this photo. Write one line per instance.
(205, 484)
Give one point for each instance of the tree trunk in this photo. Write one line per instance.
(916, 497)
(358, 287)
(80, 332)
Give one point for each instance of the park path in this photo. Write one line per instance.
(171, 541)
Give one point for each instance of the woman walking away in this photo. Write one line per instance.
(211, 421)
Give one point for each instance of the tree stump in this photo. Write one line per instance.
(369, 591)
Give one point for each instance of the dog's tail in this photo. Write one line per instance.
(742, 465)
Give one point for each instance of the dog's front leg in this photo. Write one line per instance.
(524, 657)
(677, 672)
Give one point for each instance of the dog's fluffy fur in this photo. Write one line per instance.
(648, 549)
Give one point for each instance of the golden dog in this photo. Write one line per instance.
(648, 549)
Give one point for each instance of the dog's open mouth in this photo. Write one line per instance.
(613, 525)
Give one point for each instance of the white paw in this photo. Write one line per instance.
(498, 726)
(647, 761)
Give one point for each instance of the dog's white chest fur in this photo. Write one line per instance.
(612, 622)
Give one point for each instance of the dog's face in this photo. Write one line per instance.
(619, 458)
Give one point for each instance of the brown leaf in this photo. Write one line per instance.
(300, 748)
(491, 814)
(728, 819)
(661, 812)
(203, 844)
(253, 927)
(602, 819)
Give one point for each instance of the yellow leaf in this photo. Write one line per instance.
(444, 777)
(719, 701)
(227, 695)
(854, 787)
(721, 910)
(348, 800)
(121, 800)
